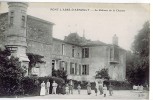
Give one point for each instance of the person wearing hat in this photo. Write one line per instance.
(54, 85)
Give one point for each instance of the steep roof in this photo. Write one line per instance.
(74, 38)
(94, 43)
(36, 18)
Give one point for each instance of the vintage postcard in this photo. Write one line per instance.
(74, 50)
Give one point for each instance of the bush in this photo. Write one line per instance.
(11, 72)
(31, 85)
(119, 85)
(60, 73)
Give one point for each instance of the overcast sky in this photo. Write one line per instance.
(96, 25)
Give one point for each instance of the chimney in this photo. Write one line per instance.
(115, 40)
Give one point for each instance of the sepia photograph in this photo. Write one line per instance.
(74, 50)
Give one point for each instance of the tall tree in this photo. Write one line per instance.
(141, 44)
(138, 62)
(11, 73)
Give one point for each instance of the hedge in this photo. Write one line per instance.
(119, 85)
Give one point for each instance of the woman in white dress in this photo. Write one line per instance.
(105, 90)
(43, 90)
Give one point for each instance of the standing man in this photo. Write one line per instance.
(71, 87)
(54, 85)
(48, 86)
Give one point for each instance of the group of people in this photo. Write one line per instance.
(102, 89)
(68, 88)
(46, 87)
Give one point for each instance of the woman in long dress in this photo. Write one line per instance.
(101, 88)
(43, 90)
(89, 88)
(105, 90)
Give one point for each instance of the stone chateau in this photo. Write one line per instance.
(80, 57)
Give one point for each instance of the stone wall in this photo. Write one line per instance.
(99, 57)
(117, 71)
(3, 27)
(67, 56)
(39, 41)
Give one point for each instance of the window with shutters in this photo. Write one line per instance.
(80, 70)
(73, 51)
(63, 65)
(72, 68)
(65, 68)
(85, 69)
(63, 51)
(85, 53)
(75, 68)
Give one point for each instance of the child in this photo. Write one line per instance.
(67, 89)
(110, 90)
(105, 90)
(96, 90)
(79, 88)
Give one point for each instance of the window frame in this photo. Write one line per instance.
(85, 52)
(85, 69)
(63, 49)
(73, 51)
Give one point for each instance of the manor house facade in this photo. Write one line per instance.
(80, 57)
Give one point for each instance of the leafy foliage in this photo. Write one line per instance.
(103, 73)
(11, 73)
(118, 85)
(138, 61)
(34, 59)
(60, 73)
(32, 85)
(142, 40)
(74, 38)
